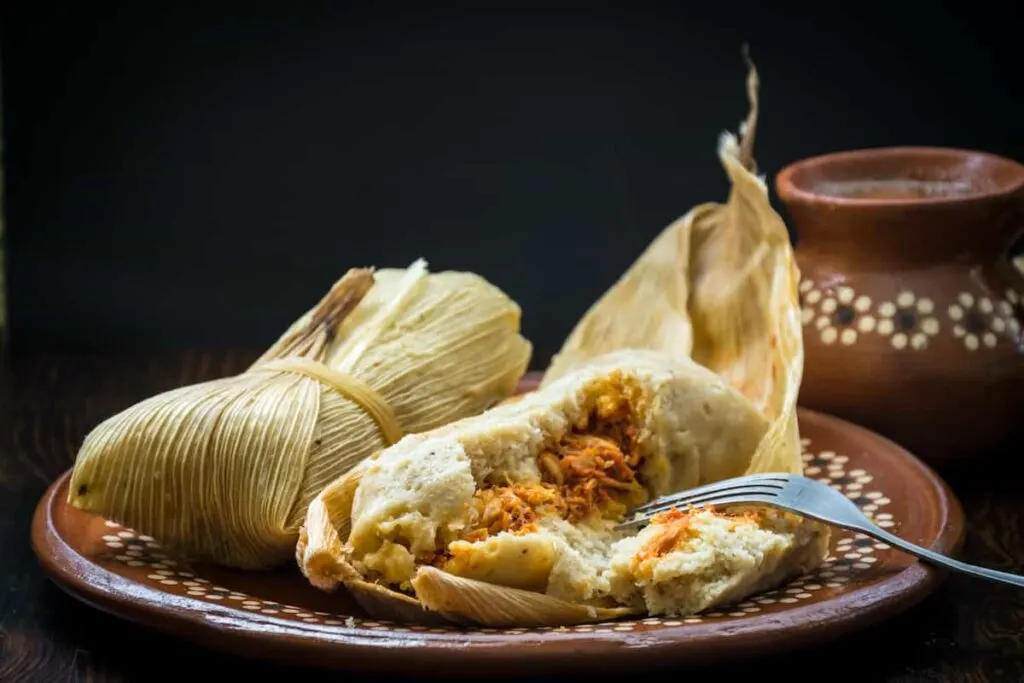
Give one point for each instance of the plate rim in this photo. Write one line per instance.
(233, 631)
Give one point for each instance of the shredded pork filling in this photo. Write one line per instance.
(673, 530)
(590, 471)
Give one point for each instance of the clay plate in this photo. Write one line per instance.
(277, 616)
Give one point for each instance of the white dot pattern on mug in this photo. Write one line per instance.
(909, 321)
(851, 556)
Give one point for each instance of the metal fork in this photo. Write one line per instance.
(807, 498)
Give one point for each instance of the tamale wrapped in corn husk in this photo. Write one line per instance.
(702, 337)
(223, 471)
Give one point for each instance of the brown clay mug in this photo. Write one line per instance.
(911, 305)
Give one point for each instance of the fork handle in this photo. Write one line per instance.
(931, 556)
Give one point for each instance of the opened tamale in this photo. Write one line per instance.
(223, 471)
(507, 518)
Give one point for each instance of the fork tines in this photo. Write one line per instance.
(754, 488)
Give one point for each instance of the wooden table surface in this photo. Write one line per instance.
(968, 631)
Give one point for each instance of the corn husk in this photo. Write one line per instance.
(467, 601)
(720, 284)
(223, 471)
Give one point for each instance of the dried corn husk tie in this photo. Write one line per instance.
(352, 388)
(223, 471)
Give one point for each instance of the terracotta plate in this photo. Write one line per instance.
(278, 616)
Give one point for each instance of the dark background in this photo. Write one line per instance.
(197, 174)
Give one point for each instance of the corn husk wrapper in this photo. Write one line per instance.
(719, 285)
(223, 471)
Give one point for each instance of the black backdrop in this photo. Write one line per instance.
(199, 173)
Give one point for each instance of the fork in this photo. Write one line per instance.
(808, 498)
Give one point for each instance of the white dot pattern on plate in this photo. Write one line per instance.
(851, 555)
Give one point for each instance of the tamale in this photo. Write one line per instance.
(507, 518)
(223, 471)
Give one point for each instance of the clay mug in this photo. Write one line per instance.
(911, 305)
